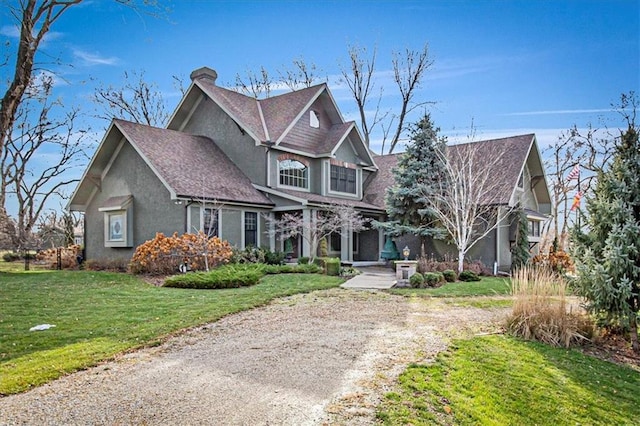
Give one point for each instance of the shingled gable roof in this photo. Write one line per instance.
(191, 166)
(270, 119)
(513, 150)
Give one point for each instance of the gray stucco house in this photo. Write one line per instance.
(227, 162)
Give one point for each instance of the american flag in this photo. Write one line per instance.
(576, 201)
(574, 173)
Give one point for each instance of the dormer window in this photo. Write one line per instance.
(314, 121)
(293, 173)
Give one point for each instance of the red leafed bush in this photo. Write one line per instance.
(163, 255)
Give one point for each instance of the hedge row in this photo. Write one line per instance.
(235, 275)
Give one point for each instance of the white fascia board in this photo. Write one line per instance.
(91, 164)
(264, 124)
(512, 198)
(301, 113)
(179, 107)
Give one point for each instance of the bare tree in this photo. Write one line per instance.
(58, 229)
(470, 203)
(36, 17)
(333, 219)
(359, 78)
(589, 151)
(300, 76)
(137, 100)
(39, 132)
(257, 85)
(408, 70)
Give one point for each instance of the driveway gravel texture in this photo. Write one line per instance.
(323, 358)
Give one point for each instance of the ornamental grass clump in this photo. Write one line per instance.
(540, 310)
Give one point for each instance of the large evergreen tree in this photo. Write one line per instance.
(608, 255)
(416, 176)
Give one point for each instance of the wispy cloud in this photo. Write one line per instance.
(13, 31)
(91, 59)
(559, 111)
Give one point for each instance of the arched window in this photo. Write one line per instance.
(293, 173)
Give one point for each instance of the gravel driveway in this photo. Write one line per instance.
(320, 358)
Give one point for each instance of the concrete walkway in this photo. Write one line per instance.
(372, 278)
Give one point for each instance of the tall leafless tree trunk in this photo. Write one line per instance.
(408, 70)
(37, 133)
(470, 203)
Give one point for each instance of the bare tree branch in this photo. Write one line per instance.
(137, 101)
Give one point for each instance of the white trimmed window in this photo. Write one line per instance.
(293, 173)
(250, 229)
(118, 221)
(343, 179)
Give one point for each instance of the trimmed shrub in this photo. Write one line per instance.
(450, 275)
(303, 260)
(467, 275)
(234, 275)
(228, 276)
(332, 266)
(416, 280)
(433, 279)
(430, 264)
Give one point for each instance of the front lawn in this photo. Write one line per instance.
(98, 315)
(498, 380)
(487, 286)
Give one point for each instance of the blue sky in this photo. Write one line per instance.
(512, 67)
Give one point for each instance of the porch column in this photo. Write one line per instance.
(306, 247)
(346, 249)
(381, 240)
(272, 233)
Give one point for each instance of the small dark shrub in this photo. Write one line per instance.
(303, 260)
(450, 275)
(349, 271)
(416, 280)
(319, 261)
(467, 275)
(433, 279)
(249, 254)
(273, 257)
(11, 256)
(332, 266)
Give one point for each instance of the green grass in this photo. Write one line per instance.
(488, 286)
(98, 315)
(498, 380)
